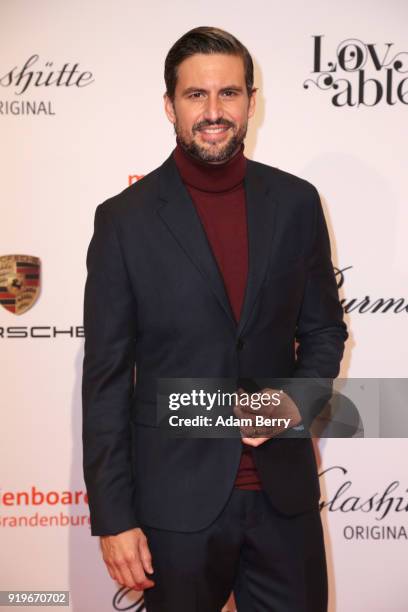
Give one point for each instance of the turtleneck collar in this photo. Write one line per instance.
(210, 177)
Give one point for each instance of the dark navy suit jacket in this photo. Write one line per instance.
(154, 297)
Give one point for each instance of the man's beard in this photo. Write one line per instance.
(206, 154)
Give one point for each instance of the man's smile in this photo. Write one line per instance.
(214, 133)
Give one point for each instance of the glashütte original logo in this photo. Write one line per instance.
(33, 76)
(361, 73)
(383, 507)
(19, 282)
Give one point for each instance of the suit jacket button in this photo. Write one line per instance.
(240, 344)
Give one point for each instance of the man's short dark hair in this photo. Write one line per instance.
(205, 40)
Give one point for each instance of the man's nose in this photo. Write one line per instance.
(213, 108)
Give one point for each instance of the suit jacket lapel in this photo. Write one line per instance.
(178, 212)
(261, 209)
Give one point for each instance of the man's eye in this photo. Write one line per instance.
(230, 93)
(195, 94)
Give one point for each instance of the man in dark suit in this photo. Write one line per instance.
(212, 266)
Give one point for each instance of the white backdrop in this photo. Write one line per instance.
(104, 122)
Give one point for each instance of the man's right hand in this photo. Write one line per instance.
(127, 557)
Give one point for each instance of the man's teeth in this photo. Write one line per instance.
(221, 129)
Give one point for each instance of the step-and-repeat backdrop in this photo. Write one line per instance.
(81, 117)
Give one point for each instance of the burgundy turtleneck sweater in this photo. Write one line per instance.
(217, 191)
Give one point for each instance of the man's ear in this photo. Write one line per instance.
(169, 108)
(252, 102)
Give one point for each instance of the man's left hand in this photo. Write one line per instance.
(256, 435)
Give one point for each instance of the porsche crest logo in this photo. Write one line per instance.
(19, 282)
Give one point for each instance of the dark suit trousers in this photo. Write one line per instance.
(274, 563)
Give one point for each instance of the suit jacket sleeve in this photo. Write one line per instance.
(321, 332)
(107, 381)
